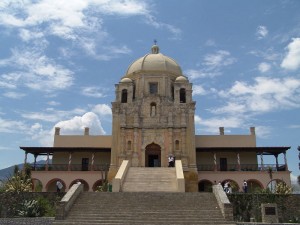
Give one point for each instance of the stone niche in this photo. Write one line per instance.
(269, 213)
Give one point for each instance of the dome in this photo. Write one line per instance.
(126, 80)
(181, 79)
(154, 62)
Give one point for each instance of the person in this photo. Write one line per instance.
(226, 187)
(245, 186)
(59, 186)
(229, 188)
(170, 159)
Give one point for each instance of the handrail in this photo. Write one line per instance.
(120, 176)
(64, 206)
(223, 202)
(72, 167)
(179, 176)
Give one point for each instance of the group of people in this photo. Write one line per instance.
(171, 160)
(228, 187)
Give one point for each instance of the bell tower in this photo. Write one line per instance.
(153, 114)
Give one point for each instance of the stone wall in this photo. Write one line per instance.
(9, 201)
(246, 206)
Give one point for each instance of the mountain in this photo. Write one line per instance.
(7, 172)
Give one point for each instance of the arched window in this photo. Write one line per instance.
(124, 96)
(129, 145)
(182, 95)
(176, 145)
(172, 92)
(152, 109)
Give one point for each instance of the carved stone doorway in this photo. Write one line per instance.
(153, 155)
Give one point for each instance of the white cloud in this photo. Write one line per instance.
(36, 71)
(211, 125)
(264, 67)
(292, 58)
(52, 115)
(198, 90)
(95, 92)
(53, 103)
(265, 95)
(219, 59)
(198, 74)
(261, 32)
(14, 95)
(12, 126)
(102, 110)
(77, 124)
(263, 131)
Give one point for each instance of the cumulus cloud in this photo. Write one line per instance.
(264, 67)
(93, 91)
(35, 71)
(12, 126)
(261, 32)
(14, 95)
(266, 94)
(219, 59)
(291, 60)
(199, 74)
(102, 110)
(212, 125)
(77, 124)
(198, 90)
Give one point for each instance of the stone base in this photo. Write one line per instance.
(191, 181)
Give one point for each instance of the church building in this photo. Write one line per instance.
(153, 118)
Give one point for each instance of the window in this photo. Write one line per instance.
(124, 96)
(182, 95)
(172, 92)
(153, 88)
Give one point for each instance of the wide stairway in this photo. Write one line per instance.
(150, 179)
(144, 208)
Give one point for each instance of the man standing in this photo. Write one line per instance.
(245, 186)
(59, 186)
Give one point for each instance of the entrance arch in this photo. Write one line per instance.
(153, 155)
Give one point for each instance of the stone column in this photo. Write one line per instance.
(34, 164)
(93, 161)
(215, 162)
(238, 161)
(135, 160)
(276, 159)
(70, 161)
(261, 161)
(285, 161)
(47, 162)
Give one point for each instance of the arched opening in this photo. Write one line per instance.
(37, 185)
(153, 155)
(254, 186)
(98, 186)
(85, 184)
(182, 95)
(272, 184)
(51, 185)
(205, 186)
(232, 184)
(124, 96)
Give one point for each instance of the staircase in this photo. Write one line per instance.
(143, 208)
(150, 179)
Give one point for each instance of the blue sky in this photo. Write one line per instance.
(59, 61)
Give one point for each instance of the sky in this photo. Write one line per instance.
(60, 60)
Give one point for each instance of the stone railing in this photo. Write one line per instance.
(223, 202)
(64, 206)
(179, 176)
(242, 167)
(120, 176)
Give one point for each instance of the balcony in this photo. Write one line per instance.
(72, 167)
(242, 167)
